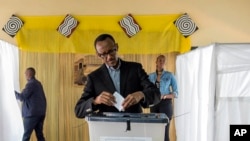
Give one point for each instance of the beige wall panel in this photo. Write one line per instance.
(218, 20)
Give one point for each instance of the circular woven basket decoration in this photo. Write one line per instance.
(13, 25)
(185, 25)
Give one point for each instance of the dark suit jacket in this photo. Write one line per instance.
(33, 98)
(132, 78)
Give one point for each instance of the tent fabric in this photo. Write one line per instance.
(11, 125)
(158, 34)
(213, 91)
(232, 89)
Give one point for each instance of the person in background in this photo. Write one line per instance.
(166, 82)
(33, 106)
(116, 75)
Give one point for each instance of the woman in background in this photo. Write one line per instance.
(166, 82)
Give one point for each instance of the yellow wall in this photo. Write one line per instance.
(218, 20)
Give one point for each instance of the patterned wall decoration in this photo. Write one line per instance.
(129, 25)
(68, 25)
(76, 34)
(185, 25)
(13, 25)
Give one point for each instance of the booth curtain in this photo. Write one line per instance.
(214, 91)
(158, 34)
(11, 127)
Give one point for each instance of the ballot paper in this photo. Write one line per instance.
(119, 99)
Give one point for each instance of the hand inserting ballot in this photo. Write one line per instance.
(132, 99)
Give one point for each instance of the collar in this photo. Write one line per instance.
(112, 68)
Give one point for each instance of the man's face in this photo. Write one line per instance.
(107, 51)
(160, 62)
(27, 74)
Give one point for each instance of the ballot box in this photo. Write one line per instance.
(127, 126)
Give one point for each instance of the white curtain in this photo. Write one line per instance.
(232, 89)
(213, 91)
(11, 126)
(192, 107)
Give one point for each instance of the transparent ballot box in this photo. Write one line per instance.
(127, 126)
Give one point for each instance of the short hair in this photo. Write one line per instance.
(32, 70)
(103, 37)
(160, 56)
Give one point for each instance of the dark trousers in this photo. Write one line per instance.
(165, 106)
(33, 123)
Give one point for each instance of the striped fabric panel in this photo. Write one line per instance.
(129, 25)
(67, 26)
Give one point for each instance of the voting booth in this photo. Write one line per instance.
(127, 126)
(214, 91)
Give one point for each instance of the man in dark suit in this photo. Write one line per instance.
(33, 106)
(127, 78)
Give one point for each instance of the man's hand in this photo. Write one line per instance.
(168, 96)
(132, 99)
(105, 98)
(17, 94)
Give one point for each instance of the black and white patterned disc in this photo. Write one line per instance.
(129, 25)
(13, 25)
(185, 25)
(68, 25)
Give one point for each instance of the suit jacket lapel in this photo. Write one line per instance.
(107, 81)
(123, 77)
